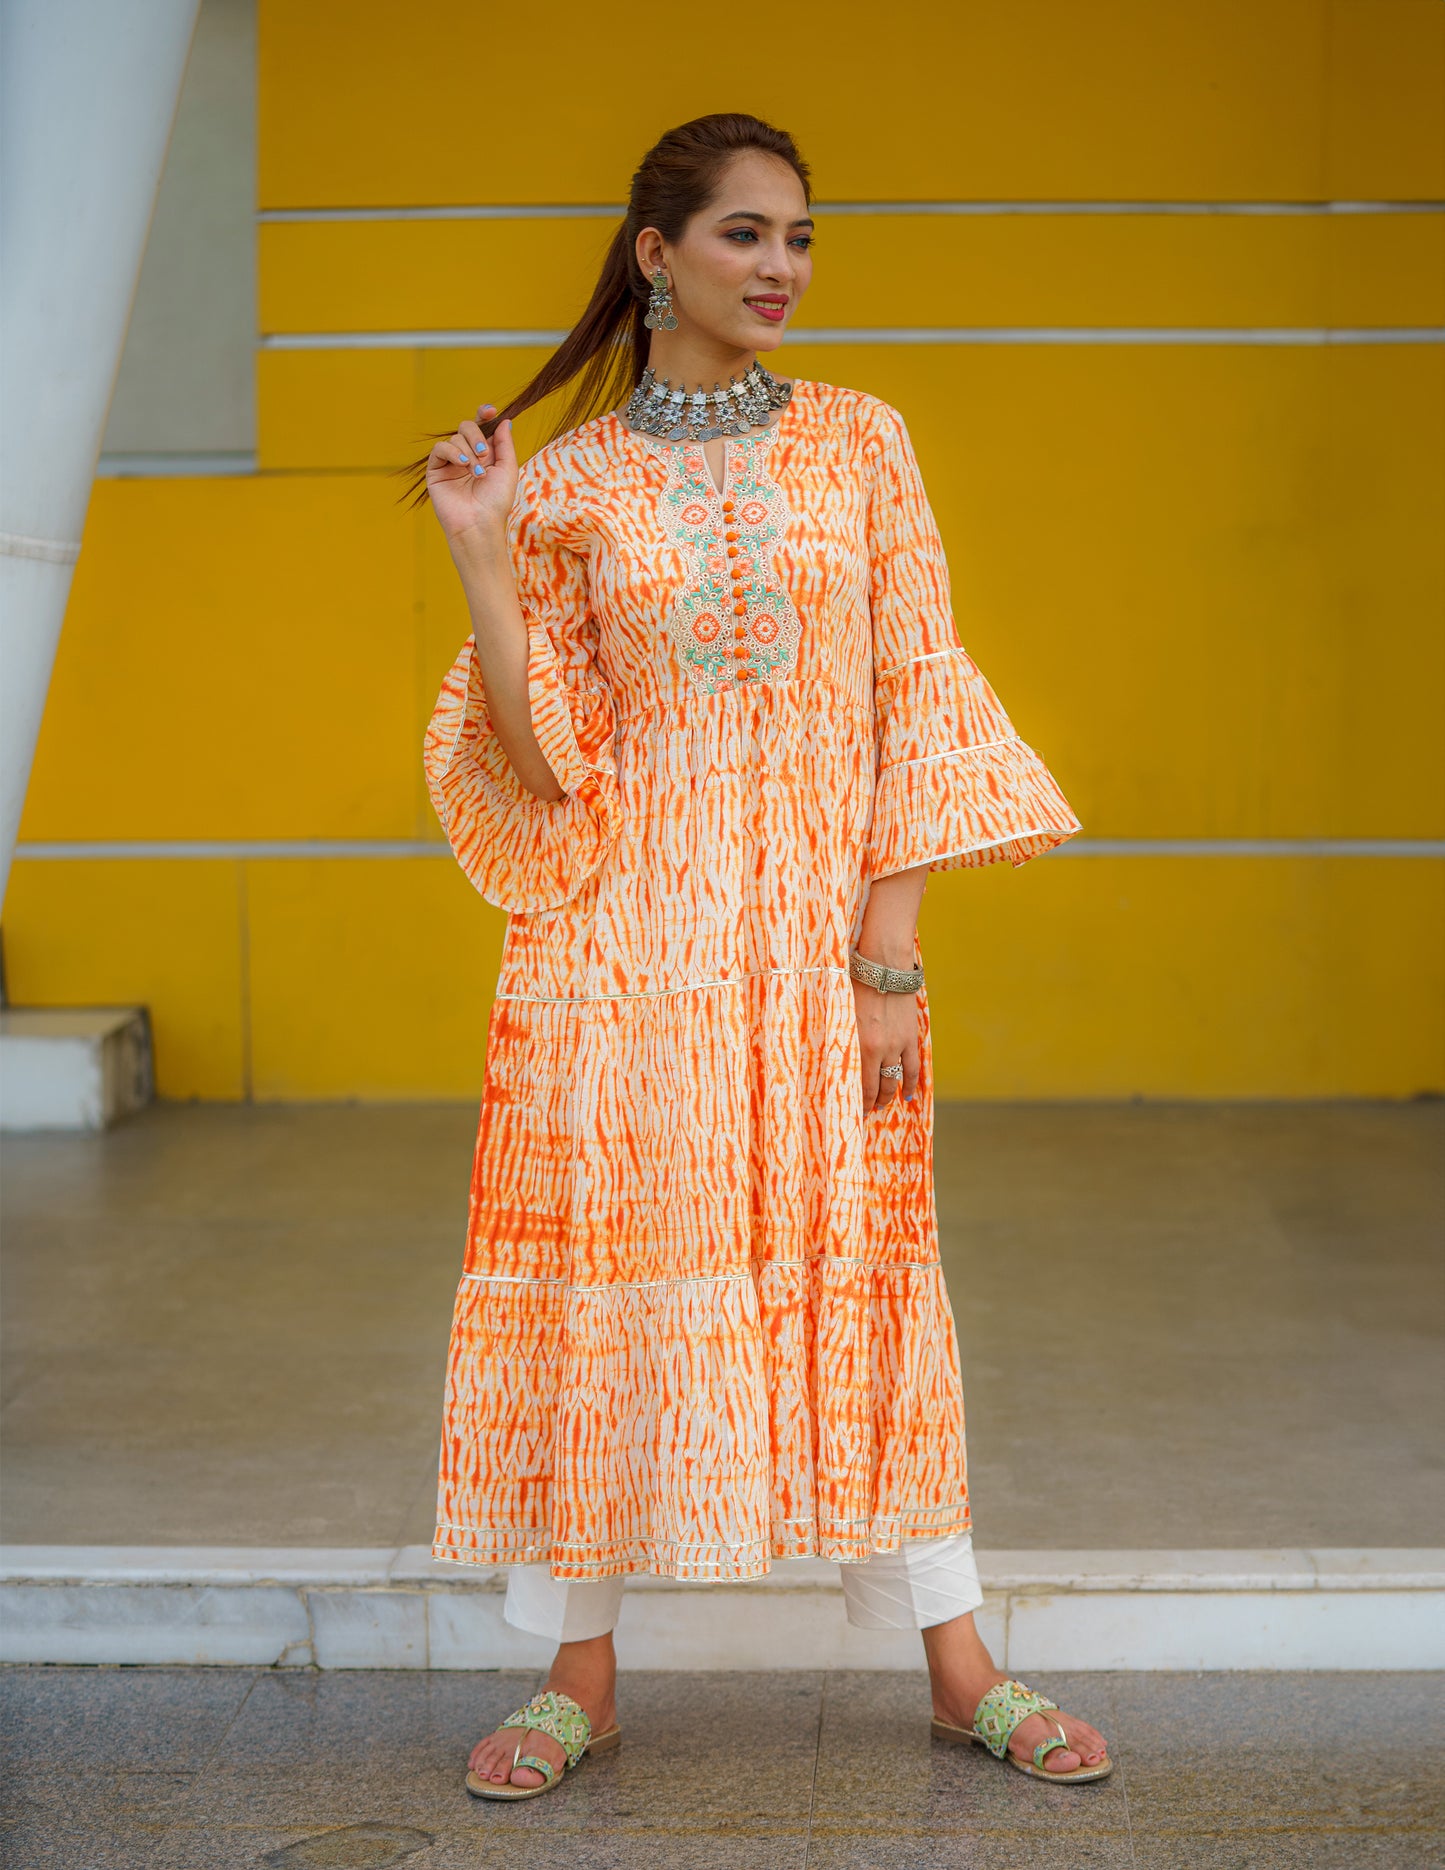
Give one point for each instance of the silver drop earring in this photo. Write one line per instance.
(660, 316)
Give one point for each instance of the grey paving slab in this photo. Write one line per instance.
(500, 1848)
(983, 1850)
(185, 1769)
(90, 1840)
(1295, 1850)
(357, 1847)
(174, 1719)
(1356, 1754)
(386, 1720)
(880, 1770)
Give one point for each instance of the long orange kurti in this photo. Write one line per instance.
(702, 1323)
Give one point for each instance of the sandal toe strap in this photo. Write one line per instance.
(1000, 1711)
(538, 1764)
(560, 1717)
(1046, 1747)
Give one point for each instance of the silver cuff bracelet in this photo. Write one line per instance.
(885, 979)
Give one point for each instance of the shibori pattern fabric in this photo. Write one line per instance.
(701, 1323)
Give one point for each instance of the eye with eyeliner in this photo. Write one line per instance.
(805, 241)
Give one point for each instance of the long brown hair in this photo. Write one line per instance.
(604, 354)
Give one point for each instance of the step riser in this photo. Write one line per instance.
(359, 1615)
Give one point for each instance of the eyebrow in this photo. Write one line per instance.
(763, 220)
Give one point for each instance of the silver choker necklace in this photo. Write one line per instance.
(656, 408)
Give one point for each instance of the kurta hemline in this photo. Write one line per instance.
(752, 1558)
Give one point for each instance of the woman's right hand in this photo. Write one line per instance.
(472, 482)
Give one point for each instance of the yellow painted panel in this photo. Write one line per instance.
(1207, 580)
(334, 409)
(1188, 977)
(1388, 270)
(369, 978)
(1385, 123)
(1071, 977)
(1168, 561)
(323, 410)
(238, 660)
(1043, 100)
(920, 269)
(1077, 977)
(164, 935)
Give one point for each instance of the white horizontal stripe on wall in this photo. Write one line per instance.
(598, 211)
(160, 466)
(206, 848)
(893, 334)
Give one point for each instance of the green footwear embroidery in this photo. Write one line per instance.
(562, 1719)
(1001, 1710)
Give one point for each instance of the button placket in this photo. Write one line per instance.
(726, 534)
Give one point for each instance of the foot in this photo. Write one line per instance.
(1086, 1744)
(585, 1671)
(962, 1673)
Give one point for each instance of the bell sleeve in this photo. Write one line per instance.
(955, 786)
(522, 852)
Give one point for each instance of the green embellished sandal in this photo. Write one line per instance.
(995, 1718)
(566, 1721)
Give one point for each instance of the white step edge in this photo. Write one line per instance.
(397, 1608)
(73, 1068)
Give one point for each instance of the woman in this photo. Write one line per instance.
(711, 731)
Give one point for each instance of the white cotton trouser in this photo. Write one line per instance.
(925, 1581)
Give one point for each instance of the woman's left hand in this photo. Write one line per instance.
(888, 1022)
(887, 1035)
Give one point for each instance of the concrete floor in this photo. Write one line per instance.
(1181, 1326)
(161, 1769)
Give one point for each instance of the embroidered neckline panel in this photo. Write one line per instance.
(733, 621)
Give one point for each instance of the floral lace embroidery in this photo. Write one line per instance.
(732, 621)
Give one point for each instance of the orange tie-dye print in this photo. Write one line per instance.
(702, 1323)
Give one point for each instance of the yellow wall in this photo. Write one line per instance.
(1206, 577)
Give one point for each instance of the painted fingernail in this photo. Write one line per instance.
(462, 457)
(479, 469)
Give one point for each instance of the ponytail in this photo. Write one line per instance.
(604, 355)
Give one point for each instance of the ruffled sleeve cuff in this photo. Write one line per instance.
(519, 851)
(956, 787)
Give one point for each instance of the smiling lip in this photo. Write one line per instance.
(774, 310)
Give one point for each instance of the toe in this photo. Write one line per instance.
(491, 1758)
(1037, 1729)
(1087, 1741)
(548, 1749)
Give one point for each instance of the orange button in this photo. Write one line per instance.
(731, 538)
(732, 551)
(740, 631)
(744, 653)
(727, 506)
(740, 610)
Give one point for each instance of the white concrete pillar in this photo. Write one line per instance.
(88, 93)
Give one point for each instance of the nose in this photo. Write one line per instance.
(775, 265)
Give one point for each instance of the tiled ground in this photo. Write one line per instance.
(1181, 1325)
(220, 1769)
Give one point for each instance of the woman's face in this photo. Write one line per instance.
(743, 261)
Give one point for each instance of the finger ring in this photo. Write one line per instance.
(890, 1071)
